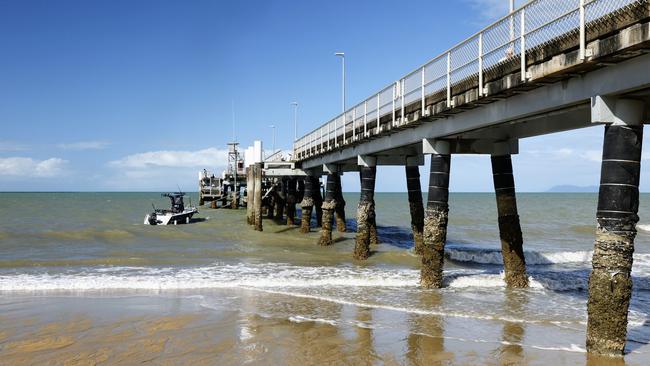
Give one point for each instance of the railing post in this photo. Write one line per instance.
(395, 86)
(354, 124)
(336, 143)
(448, 79)
(480, 64)
(403, 116)
(422, 96)
(365, 118)
(523, 44)
(321, 139)
(378, 115)
(329, 136)
(583, 33)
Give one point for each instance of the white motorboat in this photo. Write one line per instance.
(178, 214)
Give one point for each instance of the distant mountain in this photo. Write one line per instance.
(573, 189)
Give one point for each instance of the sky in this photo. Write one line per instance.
(138, 95)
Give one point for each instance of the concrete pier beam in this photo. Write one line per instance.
(340, 205)
(250, 196)
(258, 196)
(416, 206)
(292, 194)
(435, 222)
(329, 206)
(509, 228)
(365, 211)
(318, 201)
(610, 282)
(307, 204)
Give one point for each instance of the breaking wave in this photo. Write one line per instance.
(277, 276)
(493, 256)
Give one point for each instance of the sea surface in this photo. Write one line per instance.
(79, 269)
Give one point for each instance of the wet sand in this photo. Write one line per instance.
(242, 327)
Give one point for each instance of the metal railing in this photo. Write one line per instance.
(501, 48)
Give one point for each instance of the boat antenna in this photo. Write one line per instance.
(154, 207)
(234, 137)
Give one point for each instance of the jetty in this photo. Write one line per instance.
(546, 67)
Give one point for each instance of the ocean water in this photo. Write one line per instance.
(82, 247)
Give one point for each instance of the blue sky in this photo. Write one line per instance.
(137, 95)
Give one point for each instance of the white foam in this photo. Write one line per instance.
(212, 277)
(643, 227)
(493, 256)
(485, 280)
(572, 348)
(303, 319)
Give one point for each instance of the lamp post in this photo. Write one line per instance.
(342, 55)
(295, 121)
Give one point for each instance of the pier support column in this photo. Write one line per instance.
(329, 206)
(291, 201)
(435, 222)
(258, 196)
(416, 207)
(339, 211)
(250, 196)
(512, 249)
(307, 203)
(279, 199)
(365, 211)
(610, 282)
(318, 201)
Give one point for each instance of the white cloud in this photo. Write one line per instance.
(28, 167)
(205, 158)
(84, 145)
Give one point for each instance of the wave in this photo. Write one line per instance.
(277, 276)
(643, 227)
(211, 277)
(534, 258)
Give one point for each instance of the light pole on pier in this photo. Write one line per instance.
(295, 121)
(342, 55)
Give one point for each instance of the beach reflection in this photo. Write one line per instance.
(511, 351)
(365, 350)
(425, 343)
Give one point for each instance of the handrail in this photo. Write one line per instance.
(508, 31)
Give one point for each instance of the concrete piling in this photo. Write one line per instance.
(280, 200)
(435, 222)
(318, 201)
(364, 212)
(610, 282)
(291, 201)
(307, 204)
(340, 205)
(509, 228)
(329, 206)
(258, 196)
(250, 196)
(416, 206)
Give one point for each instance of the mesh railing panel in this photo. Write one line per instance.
(549, 25)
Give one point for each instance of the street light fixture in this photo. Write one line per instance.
(342, 56)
